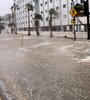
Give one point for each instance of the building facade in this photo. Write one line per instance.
(60, 23)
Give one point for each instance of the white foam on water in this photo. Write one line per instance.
(24, 49)
(86, 59)
(40, 44)
(21, 51)
(64, 48)
(86, 51)
(24, 38)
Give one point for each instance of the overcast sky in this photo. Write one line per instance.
(5, 6)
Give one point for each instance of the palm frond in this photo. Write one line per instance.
(38, 16)
(29, 6)
(53, 12)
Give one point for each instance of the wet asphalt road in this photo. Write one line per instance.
(44, 68)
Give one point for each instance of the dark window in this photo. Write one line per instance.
(57, 8)
(45, 2)
(41, 4)
(64, 6)
(50, 0)
(41, 12)
(46, 11)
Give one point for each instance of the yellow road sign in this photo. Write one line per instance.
(73, 12)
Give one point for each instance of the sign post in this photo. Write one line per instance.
(73, 13)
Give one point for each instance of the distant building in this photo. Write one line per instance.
(61, 23)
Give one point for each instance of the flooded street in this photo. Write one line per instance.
(44, 68)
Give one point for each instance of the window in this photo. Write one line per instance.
(41, 4)
(46, 11)
(57, 8)
(50, 0)
(64, 6)
(41, 12)
(65, 16)
(45, 2)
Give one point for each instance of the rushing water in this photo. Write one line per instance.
(44, 69)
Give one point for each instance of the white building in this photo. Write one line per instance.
(61, 23)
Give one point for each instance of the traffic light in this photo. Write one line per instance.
(78, 7)
(85, 8)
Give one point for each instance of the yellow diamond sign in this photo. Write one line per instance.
(73, 12)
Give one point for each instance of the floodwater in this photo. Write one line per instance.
(44, 68)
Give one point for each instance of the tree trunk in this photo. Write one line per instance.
(37, 30)
(15, 26)
(51, 35)
(37, 27)
(28, 24)
(11, 29)
(13, 14)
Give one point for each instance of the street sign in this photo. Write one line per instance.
(73, 21)
(73, 12)
(72, 4)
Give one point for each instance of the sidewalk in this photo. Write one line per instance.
(60, 34)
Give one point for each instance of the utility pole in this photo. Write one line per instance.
(88, 28)
(86, 13)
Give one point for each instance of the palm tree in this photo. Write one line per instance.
(13, 9)
(36, 20)
(29, 8)
(52, 13)
(13, 23)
